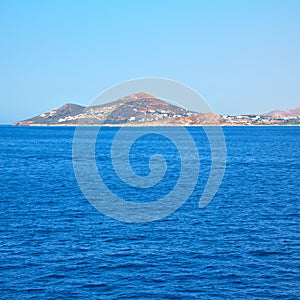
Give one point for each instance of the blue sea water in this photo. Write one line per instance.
(244, 245)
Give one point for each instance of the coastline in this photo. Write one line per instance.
(152, 125)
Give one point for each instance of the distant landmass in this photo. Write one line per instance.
(284, 114)
(144, 109)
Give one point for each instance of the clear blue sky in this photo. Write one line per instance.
(242, 56)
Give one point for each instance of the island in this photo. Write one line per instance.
(144, 109)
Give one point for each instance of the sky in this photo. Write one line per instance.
(241, 56)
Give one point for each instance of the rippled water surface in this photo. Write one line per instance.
(245, 244)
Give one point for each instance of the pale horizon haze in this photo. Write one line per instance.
(241, 56)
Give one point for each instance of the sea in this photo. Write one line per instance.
(245, 244)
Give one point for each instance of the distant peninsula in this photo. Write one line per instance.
(144, 109)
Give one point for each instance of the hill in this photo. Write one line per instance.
(283, 114)
(137, 109)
